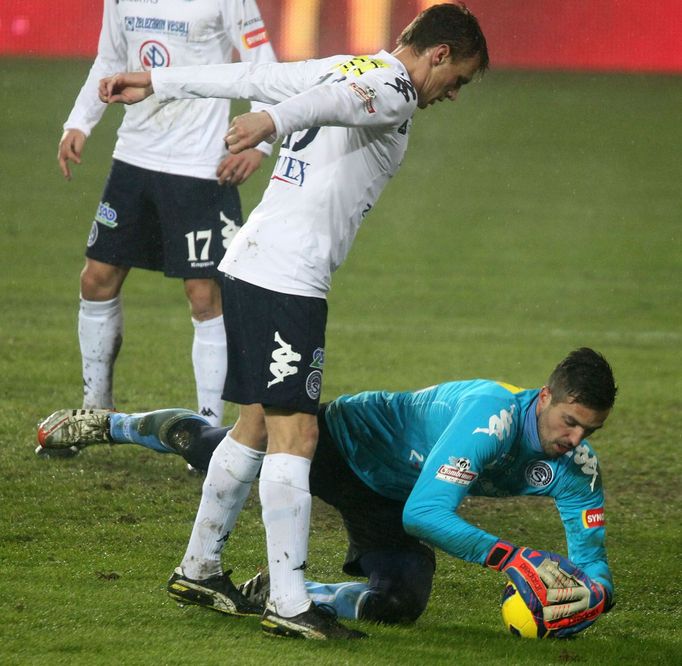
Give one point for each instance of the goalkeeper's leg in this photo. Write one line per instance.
(397, 590)
(179, 431)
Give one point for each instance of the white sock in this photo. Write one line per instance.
(100, 333)
(209, 358)
(231, 472)
(285, 498)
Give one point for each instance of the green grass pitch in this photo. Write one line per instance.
(538, 214)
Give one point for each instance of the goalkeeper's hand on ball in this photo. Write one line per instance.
(557, 592)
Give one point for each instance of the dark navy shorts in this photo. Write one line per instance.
(374, 523)
(275, 347)
(163, 222)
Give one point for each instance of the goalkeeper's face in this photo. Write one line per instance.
(563, 425)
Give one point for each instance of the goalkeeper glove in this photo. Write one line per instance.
(557, 592)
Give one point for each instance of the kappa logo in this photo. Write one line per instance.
(403, 87)
(593, 518)
(499, 425)
(281, 359)
(539, 474)
(229, 231)
(587, 463)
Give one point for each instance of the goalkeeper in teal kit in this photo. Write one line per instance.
(398, 465)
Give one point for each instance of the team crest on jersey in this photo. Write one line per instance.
(92, 236)
(313, 384)
(106, 215)
(282, 358)
(154, 54)
(499, 426)
(539, 474)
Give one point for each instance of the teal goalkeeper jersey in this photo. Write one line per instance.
(432, 448)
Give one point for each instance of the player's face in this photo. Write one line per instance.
(445, 78)
(563, 425)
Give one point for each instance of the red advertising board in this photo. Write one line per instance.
(625, 35)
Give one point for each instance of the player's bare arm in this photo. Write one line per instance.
(70, 150)
(126, 88)
(248, 130)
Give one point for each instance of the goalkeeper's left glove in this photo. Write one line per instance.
(557, 592)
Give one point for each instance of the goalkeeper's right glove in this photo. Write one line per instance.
(557, 592)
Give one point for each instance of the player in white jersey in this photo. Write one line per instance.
(170, 202)
(346, 122)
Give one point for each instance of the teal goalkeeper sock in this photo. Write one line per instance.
(124, 429)
(345, 598)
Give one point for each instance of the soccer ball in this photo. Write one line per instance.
(518, 618)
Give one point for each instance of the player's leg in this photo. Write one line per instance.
(199, 219)
(233, 467)
(124, 234)
(286, 501)
(178, 431)
(209, 347)
(276, 349)
(100, 330)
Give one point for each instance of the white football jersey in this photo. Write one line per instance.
(184, 138)
(345, 122)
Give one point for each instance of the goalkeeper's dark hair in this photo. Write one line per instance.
(451, 24)
(584, 376)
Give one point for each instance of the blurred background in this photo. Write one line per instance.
(622, 35)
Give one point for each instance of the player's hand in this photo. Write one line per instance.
(126, 88)
(572, 608)
(248, 130)
(554, 589)
(70, 149)
(235, 169)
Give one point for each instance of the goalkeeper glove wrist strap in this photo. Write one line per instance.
(500, 554)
